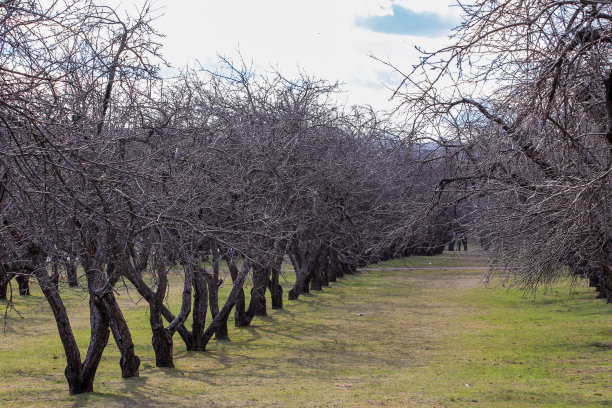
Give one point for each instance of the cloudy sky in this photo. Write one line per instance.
(329, 39)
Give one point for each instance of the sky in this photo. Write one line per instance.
(330, 39)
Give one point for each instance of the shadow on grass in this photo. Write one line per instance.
(130, 395)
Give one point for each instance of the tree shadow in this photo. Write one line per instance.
(131, 394)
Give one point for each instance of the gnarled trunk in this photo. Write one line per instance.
(129, 362)
(213, 290)
(240, 302)
(55, 272)
(304, 267)
(71, 272)
(5, 278)
(200, 306)
(162, 342)
(229, 303)
(23, 281)
(73, 371)
(257, 306)
(80, 377)
(100, 333)
(134, 275)
(276, 290)
(162, 339)
(334, 260)
(332, 267)
(319, 275)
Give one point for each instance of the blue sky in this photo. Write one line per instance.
(329, 39)
(404, 21)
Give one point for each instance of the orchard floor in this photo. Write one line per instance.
(389, 337)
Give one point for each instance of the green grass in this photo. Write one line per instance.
(427, 338)
(451, 259)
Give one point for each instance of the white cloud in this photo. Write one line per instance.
(318, 36)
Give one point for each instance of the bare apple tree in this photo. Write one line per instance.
(519, 110)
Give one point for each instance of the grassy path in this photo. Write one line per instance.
(388, 337)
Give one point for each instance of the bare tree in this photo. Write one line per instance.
(519, 108)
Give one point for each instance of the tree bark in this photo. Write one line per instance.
(100, 333)
(81, 376)
(129, 362)
(162, 338)
(200, 306)
(71, 272)
(257, 305)
(5, 278)
(23, 281)
(73, 371)
(213, 290)
(332, 267)
(229, 303)
(55, 272)
(324, 267)
(240, 303)
(335, 263)
(134, 275)
(276, 290)
(304, 272)
(315, 282)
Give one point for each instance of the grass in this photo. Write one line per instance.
(473, 257)
(427, 338)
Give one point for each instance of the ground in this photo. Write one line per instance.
(386, 337)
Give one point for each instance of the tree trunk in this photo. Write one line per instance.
(135, 277)
(24, 284)
(73, 371)
(332, 267)
(297, 263)
(229, 303)
(257, 306)
(71, 272)
(55, 272)
(5, 278)
(276, 290)
(303, 272)
(200, 306)
(307, 279)
(162, 338)
(335, 262)
(316, 275)
(81, 377)
(316, 281)
(213, 290)
(239, 313)
(162, 342)
(323, 267)
(99, 339)
(129, 362)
